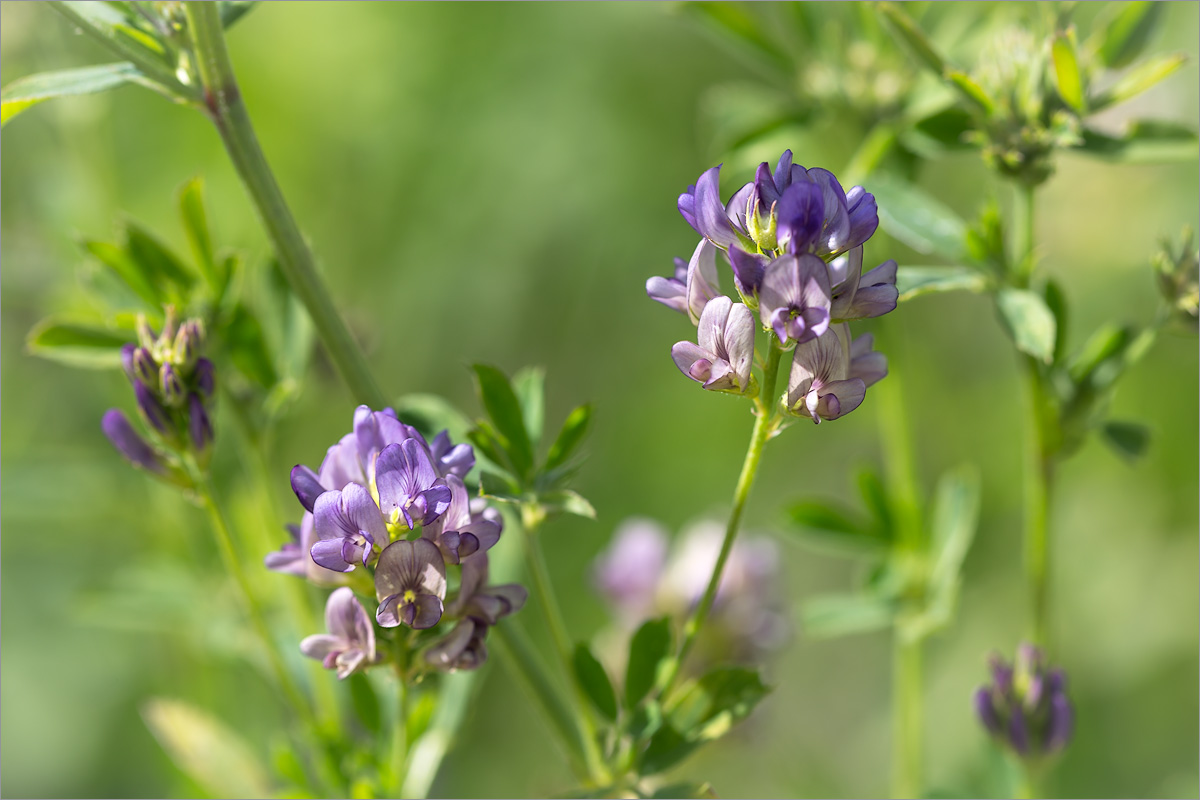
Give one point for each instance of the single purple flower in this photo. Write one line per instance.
(748, 272)
(1025, 707)
(672, 291)
(348, 527)
(462, 648)
(410, 582)
(143, 366)
(458, 533)
(171, 387)
(204, 377)
(409, 488)
(723, 358)
(476, 599)
(794, 300)
(628, 572)
(127, 441)
(350, 644)
(865, 363)
(859, 296)
(701, 206)
(292, 558)
(451, 459)
(820, 385)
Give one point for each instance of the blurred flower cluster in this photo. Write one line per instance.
(1025, 708)
(642, 576)
(174, 386)
(385, 514)
(793, 239)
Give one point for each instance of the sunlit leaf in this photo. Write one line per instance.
(573, 431)
(207, 750)
(195, 226)
(33, 89)
(78, 344)
(917, 219)
(916, 281)
(1138, 80)
(971, 91)
(1066, 70)
(594, 680)
(506, 414)
(566, 501)
(530, 387)
(1029, 321)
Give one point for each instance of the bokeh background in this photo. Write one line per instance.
(495, 183)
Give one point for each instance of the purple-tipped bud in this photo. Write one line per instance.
(188, 343)
(152, 410)
(1026, 708)
(145, 368)
(146, 335)
(205, 378)
(199, 425)
(306, 485)
(127, 360)
(171, 386)
(127, 441)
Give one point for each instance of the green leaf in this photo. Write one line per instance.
(971, 91)
(248, 350)
(530, 387)
(875, 496)
(504, 409)
(78, 344)
(488, 444)
(234, 10)
(1107, 343)
(1124, 37)
(954, 521)
(705, 710)
(207, 750)
(915, 281)
(164, 269)
(902, 26)
(573, 431)
(498, 487)
(833, 615)
(1138, 80)
(945, 128)
(917, 219)
(566, 501)
(1056, 301)
(195, 226)
(1066, 70)
(831, 530)
(650, 645)
(127, 271)
(1029, 321)
(366, 702)
(1129, 440)
(1146, 142)
(645, 720)
(695, 791)
(594, 681)
(33, 89)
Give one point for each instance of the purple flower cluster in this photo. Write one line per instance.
(1026, 707)
(642, 576)
(388, 502)
(174, 387)
(794, 242)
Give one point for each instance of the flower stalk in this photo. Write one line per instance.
(223, 104)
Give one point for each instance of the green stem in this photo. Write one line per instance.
(234, 565)
(763, 425)
(907, 717)
(400, 731)
(1023, 232)
(539, 683)
(532, 517)
(223, 100)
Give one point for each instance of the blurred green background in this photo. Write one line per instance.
(495, 183)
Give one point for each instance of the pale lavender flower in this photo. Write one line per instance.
(449, 458)
(410, 583)
(476, 599)
(672, 291)
(859, 296)
(794, 300)
(293, 557)
(409, 488)
(458, 533)
(821, 385)
(628, 572)
(350, 644)
(1026, 708)
(463, 648)
(723, 359)
(348, 526)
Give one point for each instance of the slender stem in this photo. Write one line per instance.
(532, 517)
(1023, 232)
(224, 103)
(557, 710)
(233, 564)
(907, 715)
(763, 425)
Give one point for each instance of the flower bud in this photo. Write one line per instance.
(151, 409)
(199, 426)
(204, 378)
(170, 386)
(135, 449)
(1179, 277)
(145, 368)
(127, 351)
(146, 336)
(188, 343)
(1026, 708)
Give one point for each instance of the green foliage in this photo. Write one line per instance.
(207, 750)
(651, 644)
(26, 92)
(592, 678)
(1029, 321)
(1127, 439)
(78, 344)
(913, 282)
(917, 219)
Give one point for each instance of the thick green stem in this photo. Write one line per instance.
(223, 101)
(539, 683)
(907, 717)
(763, 425)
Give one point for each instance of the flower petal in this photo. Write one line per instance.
(306, 485)
(711, 219)
(702, 284)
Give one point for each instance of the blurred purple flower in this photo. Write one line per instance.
(723, 359)
(127, 441)
(350, 644)
(410, 583)
(1026, 708)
